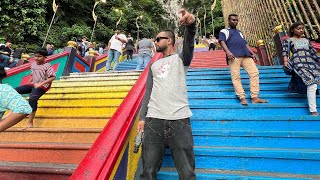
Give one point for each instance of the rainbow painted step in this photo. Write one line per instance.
(70, 117)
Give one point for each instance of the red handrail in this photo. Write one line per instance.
(103, 155)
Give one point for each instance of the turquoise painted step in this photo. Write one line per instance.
(256, 139)
(251, 110)
(227, 72)
(260, 123)
(167, 175)
(299, 161)
(230, 88)
(269, 68)
(235, 100)
(227, 77)
(244, 81)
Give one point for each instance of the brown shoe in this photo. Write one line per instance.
(314, 113)
(258, 100)
(243, 101)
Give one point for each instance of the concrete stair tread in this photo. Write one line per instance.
(206, 174)
(253, 133)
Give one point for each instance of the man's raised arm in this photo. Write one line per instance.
(189, 21)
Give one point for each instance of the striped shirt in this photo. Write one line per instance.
(42, 72)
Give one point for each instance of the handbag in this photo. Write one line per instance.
(286, 70)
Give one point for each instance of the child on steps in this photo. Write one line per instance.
(42, 75)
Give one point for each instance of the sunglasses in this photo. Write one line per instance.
(158, 39)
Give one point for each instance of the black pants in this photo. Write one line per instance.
(129, 54)
(212, 46)
(35, 95)
(177, 135)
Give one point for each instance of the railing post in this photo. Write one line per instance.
(262, 53)
(279, 34)
(91, 59)
(71, 46)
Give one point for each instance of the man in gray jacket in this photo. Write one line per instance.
(165, 113)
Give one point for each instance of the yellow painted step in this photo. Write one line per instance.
(51, 122)
(53, 135)
(77, 111)
(89, 89)
(79, 102)
(114, 73)
(92, 84)
(114, 95)
(58, 96)
(115, 78)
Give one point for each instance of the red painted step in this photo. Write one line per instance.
(209, 59)
(63, 153)
(32, 171)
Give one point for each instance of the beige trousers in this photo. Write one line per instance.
(252, 70)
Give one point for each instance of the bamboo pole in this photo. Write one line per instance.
(300, 17)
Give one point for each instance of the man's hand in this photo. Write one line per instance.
(185, 18)
(141, 126)
(230, 55)
(37, 85)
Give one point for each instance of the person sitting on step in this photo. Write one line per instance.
(42, 75)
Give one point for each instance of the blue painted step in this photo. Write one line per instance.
(279, 137)
(300, 161)
(232, 175)
(305, 123)
(256, 139)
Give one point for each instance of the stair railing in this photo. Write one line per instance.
(101, 158)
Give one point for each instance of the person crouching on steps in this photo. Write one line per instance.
(11, 100)
(42, 75)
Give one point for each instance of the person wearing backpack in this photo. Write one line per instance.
(239, 55)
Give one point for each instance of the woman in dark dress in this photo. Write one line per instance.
(305, 64)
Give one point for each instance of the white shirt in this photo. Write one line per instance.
(116, 44)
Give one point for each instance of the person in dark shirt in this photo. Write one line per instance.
(5, 52)
(239, 55)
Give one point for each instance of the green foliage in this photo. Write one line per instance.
(25, 22)
(197, 7)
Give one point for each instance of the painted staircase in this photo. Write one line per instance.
(69, 118)
(277, 140)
